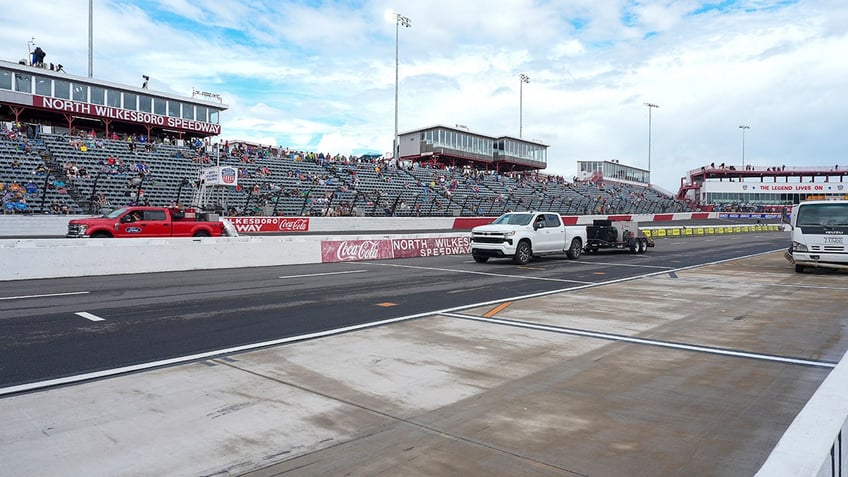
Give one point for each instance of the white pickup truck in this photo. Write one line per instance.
(523, 235)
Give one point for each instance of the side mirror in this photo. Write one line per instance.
(538, 225)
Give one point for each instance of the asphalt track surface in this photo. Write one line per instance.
(60, 328)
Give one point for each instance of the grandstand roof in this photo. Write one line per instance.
(724, 172)
(50, 96)
(457, 146)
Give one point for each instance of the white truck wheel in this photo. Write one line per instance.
(523, 253)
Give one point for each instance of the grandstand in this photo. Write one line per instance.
(760, 188)
(106, 173)
(145, 147)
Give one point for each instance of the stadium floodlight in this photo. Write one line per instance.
(522, 78)
(743, 128)
(650, 106)
(399, 20)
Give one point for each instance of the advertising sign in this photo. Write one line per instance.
(223, 175)
(270, 224)
(380, 249)
(355, 250)
(109, 112)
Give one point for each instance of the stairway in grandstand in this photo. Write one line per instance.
(294, 183)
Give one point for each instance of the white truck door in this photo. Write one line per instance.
(554, 233)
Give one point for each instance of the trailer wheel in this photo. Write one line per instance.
(634, 245)
(575, 249)
(480, 258)
(643, 245)
(523, 253)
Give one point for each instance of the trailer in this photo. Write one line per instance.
(606, 234)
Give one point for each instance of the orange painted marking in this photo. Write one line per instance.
(494, 311)
(386, 304)
(599, 273)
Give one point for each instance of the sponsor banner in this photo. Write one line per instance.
(109, 112)
(430, 247)
(381, 249)
(758, 187)
(733, 215)
(355, 250)
(222, 175)
(270, 224)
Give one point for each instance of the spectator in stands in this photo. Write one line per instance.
(38, 57)
(31, 188)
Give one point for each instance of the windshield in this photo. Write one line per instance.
(829, 215)
(115, 213)
(514, 219)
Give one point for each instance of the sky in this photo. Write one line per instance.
(320, 75)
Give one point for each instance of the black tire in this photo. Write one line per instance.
(480, 258)
(592, 249)
(800, 268)
(100, 235)
(575, 249)
(202, 233)
(523, 253)
(643, 245)
(634, 245)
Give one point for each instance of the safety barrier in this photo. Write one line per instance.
(53, 258)
(816, 443)
(704, 230)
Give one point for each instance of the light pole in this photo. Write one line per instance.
(30, 47)
(650, 106)
(406, 22)
(743, 128)
(522, 79)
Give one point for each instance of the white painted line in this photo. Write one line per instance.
(812, 287)
(322, 274)
(197, 357)
(238, 349)
(21, 297)
(645, 341)
(488, 274)
(89, 316)
(659, 267)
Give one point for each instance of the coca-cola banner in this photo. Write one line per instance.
(379, 249)
(270, 224)
(355, 250)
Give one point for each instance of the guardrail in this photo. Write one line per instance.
(816, 443)
(704, 230)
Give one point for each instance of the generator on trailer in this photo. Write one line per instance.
(606, 234)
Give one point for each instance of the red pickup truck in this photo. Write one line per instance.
(147, 222)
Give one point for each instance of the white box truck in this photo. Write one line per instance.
(819, 235)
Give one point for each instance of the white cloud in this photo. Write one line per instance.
(323, 77)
